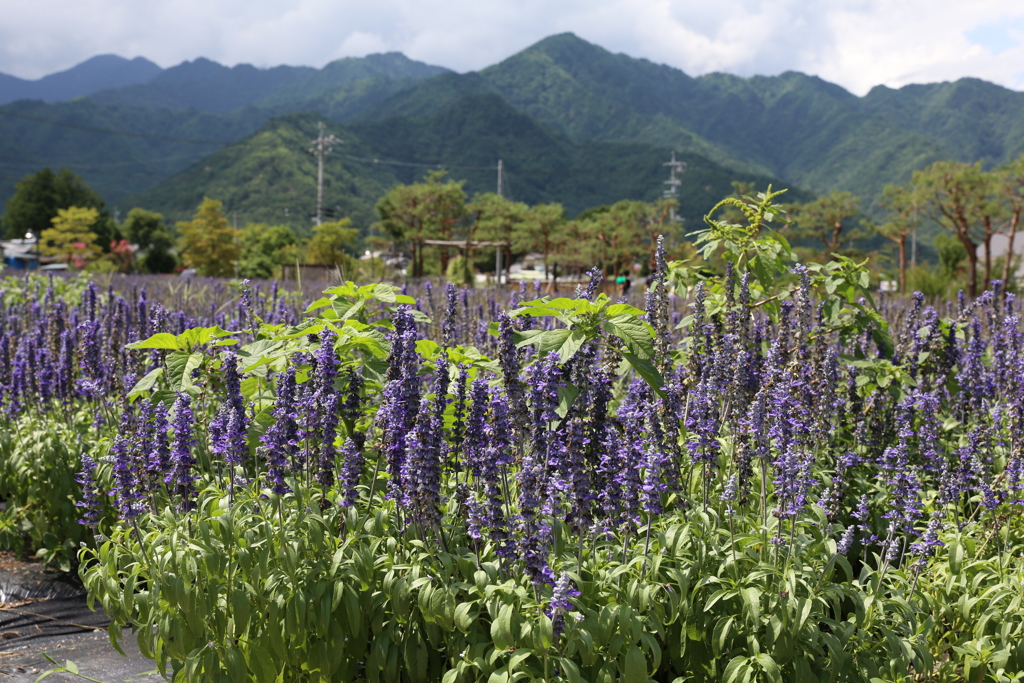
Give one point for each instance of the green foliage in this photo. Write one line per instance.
(332, 244)
(38, 198)
(208, 243)
(265, 248)
(71, 236)
(951, 255)
(39, 458)
(147, 231)
(461, 272)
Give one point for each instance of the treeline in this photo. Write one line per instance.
(445, 232)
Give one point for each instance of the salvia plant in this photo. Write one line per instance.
(752, 472)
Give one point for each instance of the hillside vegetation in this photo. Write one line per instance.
(574, 123)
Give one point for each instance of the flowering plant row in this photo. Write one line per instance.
(785, 483)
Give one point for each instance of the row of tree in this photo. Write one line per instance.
(973, 205)
(441, 227)
(72, 223)
(436, 216)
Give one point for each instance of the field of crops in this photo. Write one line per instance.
(756, 474)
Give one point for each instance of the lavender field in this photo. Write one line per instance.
(758, 472)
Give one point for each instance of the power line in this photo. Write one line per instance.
(110, 131)
(392, 162)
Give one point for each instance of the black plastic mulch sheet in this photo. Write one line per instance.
(45, 619)
(45, 611)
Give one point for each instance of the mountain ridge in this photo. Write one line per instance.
(797, 130)
(94, 74)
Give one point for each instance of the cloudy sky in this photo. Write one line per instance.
(856, 43)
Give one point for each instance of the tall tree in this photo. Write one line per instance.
(71, 236)
(956, 196)
(828, 218)
(900, 223)
(331, 245)
(428, 210)
(148, 232)
(496, 219)
(616, 235)
(1010, 188)
(208, 243)
(541, 231)
(39, 196)
(265, 248)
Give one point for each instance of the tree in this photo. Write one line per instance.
(148, 232)
(1010, 188)
(615, 235)
(542, 230)
(656, 219)
(496, 219)
(828, 219)
(902, 221)
(39, 196)
(428, 210)
(331, 245)
(265, 248)
(955, 195)
(208, 243)
(71, 236)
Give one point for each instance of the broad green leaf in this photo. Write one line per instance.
(160, 340)
(636, 334)
(770, 668)
(567, 394)
(501, 629)
(645, 369)
(634, 669)
(146, 383)
(179, 369)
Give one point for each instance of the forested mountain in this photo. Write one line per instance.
(98, 73)
(554, 112)
(269, 177)
(209, 86)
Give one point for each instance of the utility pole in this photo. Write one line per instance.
(673, 182)
(501, 173)
(322, 146)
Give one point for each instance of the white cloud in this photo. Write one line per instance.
(856, 43)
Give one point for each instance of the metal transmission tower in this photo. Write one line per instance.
(322, 146)
(673, 182)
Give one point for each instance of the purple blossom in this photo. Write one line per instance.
(182, 475)
(351, 472)
(91, 503)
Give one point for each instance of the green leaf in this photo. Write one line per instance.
(634, 669)
(770, 668)
(570, 671)
(384, 293)
(146, 383)
(635, 334)
(645, 369)
(501, 629)
(160, 340)
(179, 369)
(735, 669)
(752, 603)
(567, 394)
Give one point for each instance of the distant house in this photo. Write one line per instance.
(23, 254)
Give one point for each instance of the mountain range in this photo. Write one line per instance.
(571, 121)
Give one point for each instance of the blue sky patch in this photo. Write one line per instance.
(996, 36)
